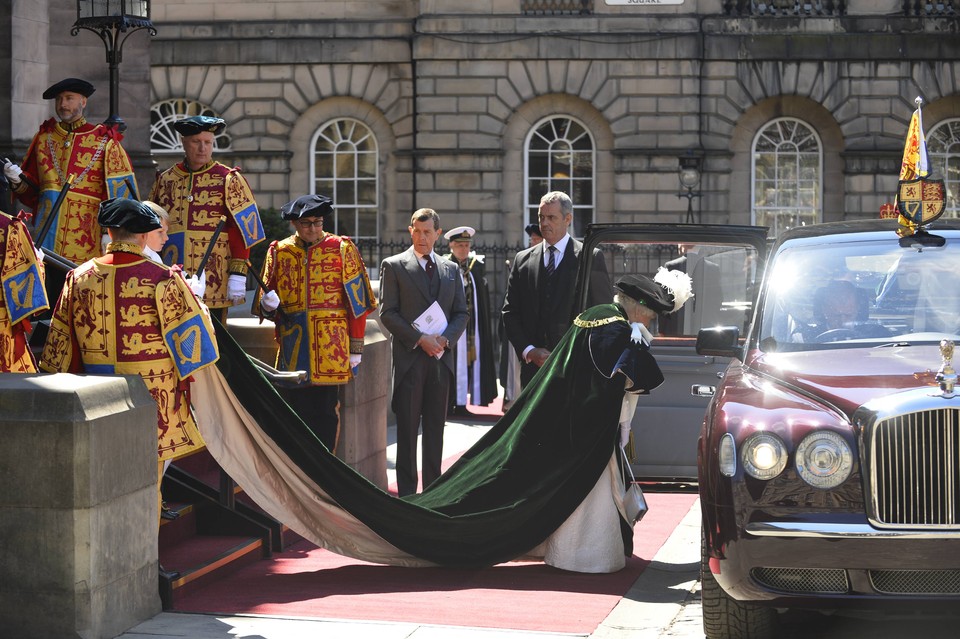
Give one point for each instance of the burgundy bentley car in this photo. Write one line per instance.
(829, 456)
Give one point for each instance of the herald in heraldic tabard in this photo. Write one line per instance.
(921, 200)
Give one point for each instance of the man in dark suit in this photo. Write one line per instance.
(423, 367)
(538, 307)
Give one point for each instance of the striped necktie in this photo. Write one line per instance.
(552, 262)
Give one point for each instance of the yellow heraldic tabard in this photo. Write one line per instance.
(195, 201)
(325, 296)
(134, 316)
(22, 296)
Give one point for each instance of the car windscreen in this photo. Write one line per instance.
(860, 293)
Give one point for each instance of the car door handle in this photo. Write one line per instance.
(703, 390)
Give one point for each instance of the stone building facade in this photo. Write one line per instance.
(476, 107)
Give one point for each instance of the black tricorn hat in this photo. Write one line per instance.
(76, 85)
(307, 206)
(127, 214)
(198, 124)
(646, 291)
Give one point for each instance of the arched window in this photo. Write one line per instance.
(344, 168)
(560, 156)
(943, 151)
(163, 137)
(787, 171)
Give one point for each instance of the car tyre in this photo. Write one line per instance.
(726, 618)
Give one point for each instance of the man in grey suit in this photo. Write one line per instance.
(538, 307)
(423, 365)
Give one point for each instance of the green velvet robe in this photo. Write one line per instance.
(513, 488)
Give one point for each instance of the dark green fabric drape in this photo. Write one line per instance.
(505, 495)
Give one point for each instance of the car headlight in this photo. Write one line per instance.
(824, 459)
(727, 455)
(764, 456)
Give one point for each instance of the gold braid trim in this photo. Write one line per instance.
(582, 323)
(237, 266)
(124, 247)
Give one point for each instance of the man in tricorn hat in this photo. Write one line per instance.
(475, 377)
(109, 320)
(88, 155)
(197, 193)
(319, 296)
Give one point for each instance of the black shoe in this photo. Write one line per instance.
(168, 514)
(460, 411)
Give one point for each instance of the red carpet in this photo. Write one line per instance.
(306, 581)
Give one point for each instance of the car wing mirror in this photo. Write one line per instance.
(719, 341)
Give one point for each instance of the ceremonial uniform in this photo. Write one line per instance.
(324, 297)
(123, 314)
(100, 169)
(197, 193)
(196, 200)
(475, 376)
(23, 295)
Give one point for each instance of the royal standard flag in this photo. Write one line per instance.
(914, 168)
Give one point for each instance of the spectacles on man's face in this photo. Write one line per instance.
(316, 223)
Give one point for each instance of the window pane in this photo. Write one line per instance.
(787, 175)
(943, 150)
(346, 170)
(560, 157)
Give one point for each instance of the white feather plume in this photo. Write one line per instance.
(677, 283)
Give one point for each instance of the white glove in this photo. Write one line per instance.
(236, 287)
(104, 240)
(270, 301)
(40, 254)
(12, 172)
(627, 408)
(354, 363)
(198, 284)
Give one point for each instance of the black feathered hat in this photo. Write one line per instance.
(306, 206)
(665, 293)
(127, 214)
(76, 85)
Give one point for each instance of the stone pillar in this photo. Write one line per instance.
(78, 511)
(363, 409)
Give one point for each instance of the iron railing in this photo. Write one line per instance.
(832, 8)
(556, 7)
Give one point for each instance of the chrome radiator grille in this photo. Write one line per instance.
(914, 469)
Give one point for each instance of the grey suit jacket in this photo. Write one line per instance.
(405, 294)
